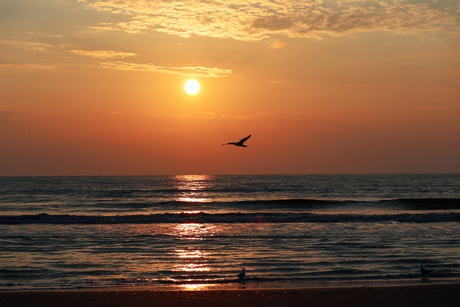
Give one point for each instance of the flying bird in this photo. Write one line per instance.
(240, 143)
(242, 275)
(424, 271)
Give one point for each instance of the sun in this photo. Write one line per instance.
(192, 87)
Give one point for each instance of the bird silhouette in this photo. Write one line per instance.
(240, 143)
(242, 275)
(424, 271)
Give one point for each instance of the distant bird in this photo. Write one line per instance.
(242, 275)
(424, 271)
(240, 143)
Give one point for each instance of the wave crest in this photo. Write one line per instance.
(201, 217)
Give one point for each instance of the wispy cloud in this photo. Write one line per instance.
(103, 54)
(256, 116)
(276, 44)
(211, 115)
(284, 115)
(190, 71)
(126, 65)
(254, 20)
(26, 67)
(25, 44)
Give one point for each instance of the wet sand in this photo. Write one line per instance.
(418, 295)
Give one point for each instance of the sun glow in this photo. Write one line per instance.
(192, 87)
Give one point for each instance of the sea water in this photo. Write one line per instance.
(199, 231)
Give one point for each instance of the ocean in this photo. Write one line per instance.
(200, 231)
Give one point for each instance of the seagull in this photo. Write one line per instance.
(240, 143)
(242, 275)
(424, 271)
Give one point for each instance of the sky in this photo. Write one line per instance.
(96, 87)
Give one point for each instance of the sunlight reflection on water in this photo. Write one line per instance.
(192, 187)
(190, 260)
(197, 287)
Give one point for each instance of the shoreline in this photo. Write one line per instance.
(245, 285)
(397, 295)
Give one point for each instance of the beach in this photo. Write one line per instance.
(412, 295)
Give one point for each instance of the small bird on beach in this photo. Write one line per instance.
(424, 271)
(240, 143)
(242, 275)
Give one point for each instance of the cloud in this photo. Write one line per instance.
(26, 67)
(189, 71)
(406, 19)
(284, 115)
(25, 45)
(197, 71)
(256, 116)
(255, 20)
(212, 115)
(14, 53)
(103, 54)
(276, 44)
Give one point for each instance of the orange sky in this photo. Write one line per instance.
(92, 86)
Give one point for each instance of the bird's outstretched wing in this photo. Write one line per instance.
(240, 143)
(244, 140)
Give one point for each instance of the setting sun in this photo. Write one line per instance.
(192, 87)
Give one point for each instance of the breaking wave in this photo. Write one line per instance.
(202, 217)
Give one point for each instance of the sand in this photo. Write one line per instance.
(419, 295)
